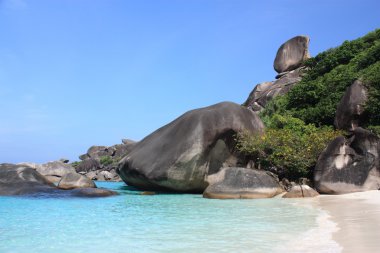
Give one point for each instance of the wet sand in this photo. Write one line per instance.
(357, 216)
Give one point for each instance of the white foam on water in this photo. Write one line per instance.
(318, 239)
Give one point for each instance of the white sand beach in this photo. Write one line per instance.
(357, 216)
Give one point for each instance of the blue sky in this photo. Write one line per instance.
(76, 73)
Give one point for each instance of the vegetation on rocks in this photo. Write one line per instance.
(315, 99)
(300, 123)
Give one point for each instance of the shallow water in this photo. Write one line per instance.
(132, 222)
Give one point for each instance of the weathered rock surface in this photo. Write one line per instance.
(88, 165)
(21, 179)
(242, 183)
(351, 107)
(349, 165)
(292, 54)
(265, 92)
(301, 191)
(100, 162)
(53, 171)
(75, 180)
(180, 155)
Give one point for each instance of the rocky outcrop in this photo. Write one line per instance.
(288, 63)
(100, 162)
(21, 179)
(53, 171)
(349, 165)
(292, 54)
(75, 180)
(179, 156)
(242, 183)
(301, 191)
(265, 92)
(350, 111)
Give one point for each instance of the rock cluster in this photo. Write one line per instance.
(24, 180)
(100, 162)
(288, 63)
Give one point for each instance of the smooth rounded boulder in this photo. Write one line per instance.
(75, 180)
(301, 191)
(292, 54)
(21, 179)
(349, 165)
(179, 156)
(242, 183)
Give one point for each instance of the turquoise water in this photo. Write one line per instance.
(159, 223)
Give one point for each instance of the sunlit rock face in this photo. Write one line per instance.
(349, 165)
(242, 183)
(179, 156)
(292, 54)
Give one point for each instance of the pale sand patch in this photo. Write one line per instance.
(357, 216)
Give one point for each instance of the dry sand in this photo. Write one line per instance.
(357, 216)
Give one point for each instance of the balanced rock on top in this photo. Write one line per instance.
(292, 54)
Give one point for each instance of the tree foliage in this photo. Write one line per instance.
(288, 144)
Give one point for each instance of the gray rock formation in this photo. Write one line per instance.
(301, 191)
(349, 165)
(88, 165)
(21, 179)
(96, 152)
(265, 92)
(292, 54)
(53, 171)
(180, 155)
(351, 107)
(75, 180)
(242, 183)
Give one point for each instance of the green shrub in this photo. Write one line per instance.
(288, 144)
(106, 160)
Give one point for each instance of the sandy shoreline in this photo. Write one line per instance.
(357, 216)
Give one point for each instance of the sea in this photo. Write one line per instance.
(132, 222)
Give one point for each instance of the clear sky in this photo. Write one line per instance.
(76, 73)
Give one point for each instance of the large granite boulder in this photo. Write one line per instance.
(179, 156)
(265, 92)
(53, 171)
(301, 191)
(242, 183)
(21, 179)
(75, 180)
(350, 109)
(292, 54)
(349, 165)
